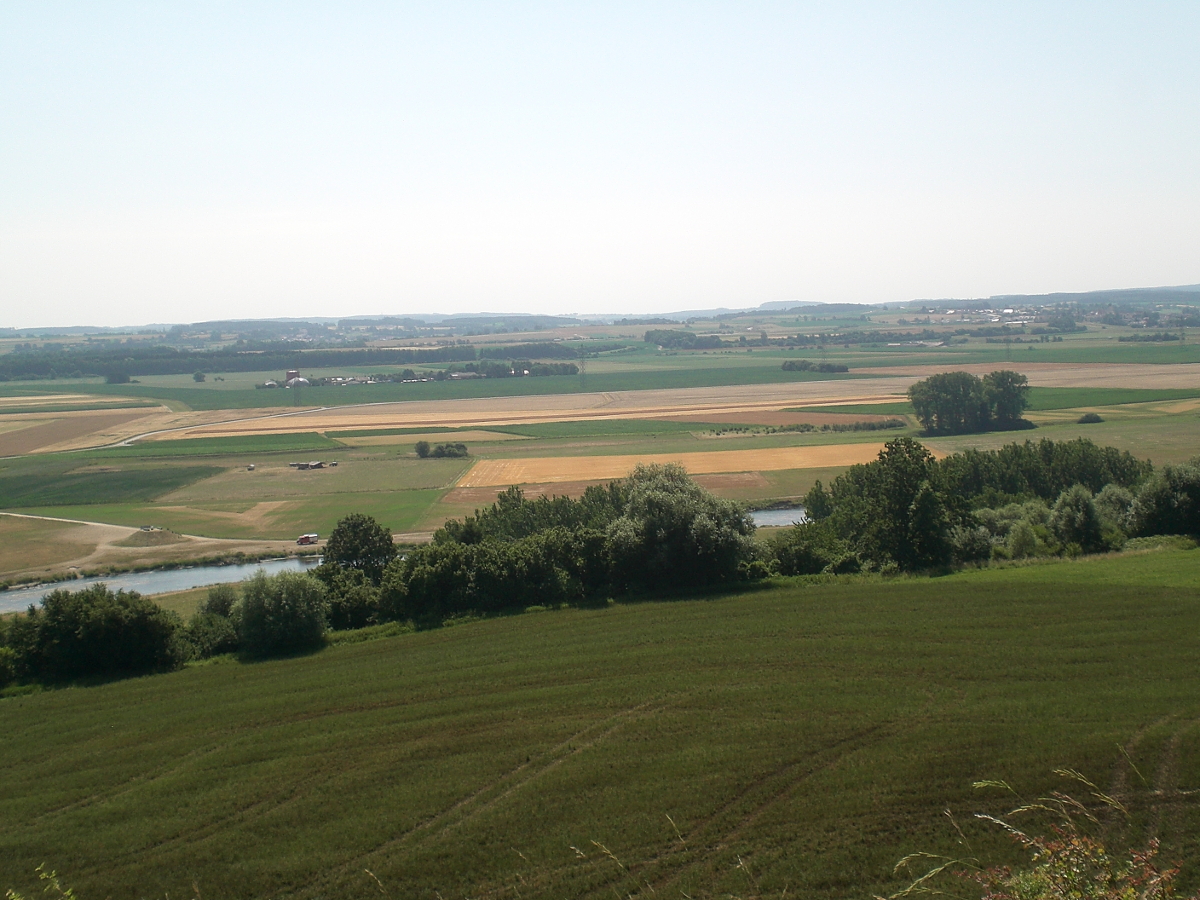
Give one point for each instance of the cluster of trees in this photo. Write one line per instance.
(99, 633)
(1156, 337)
(655, 530)
(808, 427)
(909, 511)
(533, 350)
(677, 339)
(961, 403)
(806, 365)
(518, 368)
(441, 451)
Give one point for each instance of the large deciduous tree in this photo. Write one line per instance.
(950, 403)
(360, 542)
(281, 614)
(1007, 394)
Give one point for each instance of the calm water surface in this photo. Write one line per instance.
(774, 518)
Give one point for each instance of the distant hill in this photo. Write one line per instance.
(1185, 294)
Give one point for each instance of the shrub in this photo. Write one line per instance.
(208, 634)
(811, 548)
(279, 614)
(94, 632)
(1169, 503)
(1075, 520)
(549, 568)
(1066, 864)
(970, 543)
(220, 600)
(1112, 505)
(1022, 540)
(353, 598)
(1089, 419)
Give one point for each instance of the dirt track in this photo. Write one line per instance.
(87, 545)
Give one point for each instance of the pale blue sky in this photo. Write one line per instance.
(164, 162)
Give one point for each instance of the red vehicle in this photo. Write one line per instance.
(308, 539)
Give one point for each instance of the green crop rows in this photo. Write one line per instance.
(815, 732)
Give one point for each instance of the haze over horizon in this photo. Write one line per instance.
(212, 161)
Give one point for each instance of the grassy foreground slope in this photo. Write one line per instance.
(816, 732)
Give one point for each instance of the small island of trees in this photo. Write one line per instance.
(961, 403)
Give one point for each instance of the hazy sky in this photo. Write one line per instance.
(176, 162)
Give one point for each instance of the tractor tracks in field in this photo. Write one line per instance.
(494, 793)
(701, 844)
(1161, 797)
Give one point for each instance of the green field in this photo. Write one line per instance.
(203, 397)
(815, 732)
(1040, 399)
(26, 486)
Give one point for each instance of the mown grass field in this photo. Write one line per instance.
(24, 487)
(815, 732)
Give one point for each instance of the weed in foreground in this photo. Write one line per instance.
(1069, 863)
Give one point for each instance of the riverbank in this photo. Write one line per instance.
(41, 549)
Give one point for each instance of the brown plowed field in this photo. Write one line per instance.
(62, 430)
(552, 469)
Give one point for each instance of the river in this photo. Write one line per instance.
(159, 581)
(774, 518)
(165, 581)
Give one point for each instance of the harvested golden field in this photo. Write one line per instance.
(552, 469)
(16, 403)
